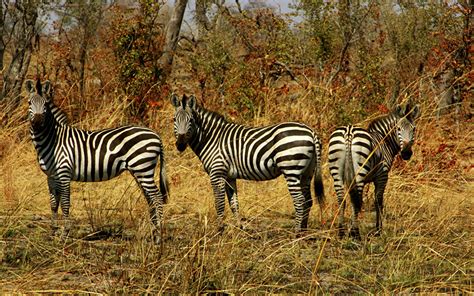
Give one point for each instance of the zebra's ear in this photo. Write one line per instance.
(400, 111)
(192, 102)
(47, 90)
(415, 113)
(175, 100)
(30, 86)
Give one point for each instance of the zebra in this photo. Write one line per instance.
(66, 154)
(358, 156)
(229, 151)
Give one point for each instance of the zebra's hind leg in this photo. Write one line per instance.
(155, 202)
(54, 202)
(356, 201)
(231, 191)
(155, 205)
(308, 203)
(299, 202)
(341, 200)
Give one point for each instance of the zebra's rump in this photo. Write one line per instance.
(351, 153)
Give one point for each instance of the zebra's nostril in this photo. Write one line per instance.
(181, 146)
(181, 142)
(406, 154)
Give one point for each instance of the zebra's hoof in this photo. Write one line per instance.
(355, 234)
(375, 232)
(340, 232)
(156, 235)
(221, 228)
(157, 240)
(54, 231)
(64, 235)
(239, 226)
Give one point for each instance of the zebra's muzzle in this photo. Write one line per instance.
(181, 143)
(181, 146)
(406, 154)
(37, 121)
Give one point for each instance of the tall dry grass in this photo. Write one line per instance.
(425, 247)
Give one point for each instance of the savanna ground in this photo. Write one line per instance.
(426, 245)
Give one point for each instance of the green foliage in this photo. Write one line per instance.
(241, 55)
(137, 46)
(318, 27)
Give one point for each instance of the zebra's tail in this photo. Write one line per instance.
(318, 178)
(163, 178)
(348, 177)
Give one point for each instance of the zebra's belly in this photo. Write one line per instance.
(264, 171)
(259, 178)
(95, 178)
(97, 174)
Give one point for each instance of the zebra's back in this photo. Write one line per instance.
(101, 155)
(264, 153)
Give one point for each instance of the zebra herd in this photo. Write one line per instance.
(228, 151)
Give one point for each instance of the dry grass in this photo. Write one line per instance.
(426, 245)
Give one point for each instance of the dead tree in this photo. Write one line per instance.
(171, 40)
(23, 32)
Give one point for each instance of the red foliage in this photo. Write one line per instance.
(382, 108)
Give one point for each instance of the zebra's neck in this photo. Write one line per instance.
(210, 126)
(58, 114)
(47, 134)
(383, 130)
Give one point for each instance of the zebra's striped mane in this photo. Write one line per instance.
(383, 131)
(59, 115)
(382, 121)
(211, 115)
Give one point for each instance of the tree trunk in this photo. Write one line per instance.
(202, 20)
(2, 42)
(171, 41)
(82, 65)
(25, 32)
(447, 94)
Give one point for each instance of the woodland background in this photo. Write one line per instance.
(324, 63)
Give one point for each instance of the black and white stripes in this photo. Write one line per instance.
(68, 154)
(358, 156)
(231, 151)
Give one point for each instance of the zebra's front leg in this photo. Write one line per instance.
(64, 190)
(54, 202)
(231, 191)
(218, 186)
